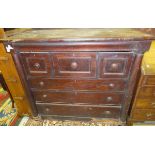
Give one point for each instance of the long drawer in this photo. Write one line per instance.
(147, 91)
(66, 84)
(79, 111)
(144, 114)
(78, 98)
(147, 102)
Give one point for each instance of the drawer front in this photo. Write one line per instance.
(147, 92)
(144, 115)
(78, 98)
(149, 80)
(37, 64)
(65, 84)
(79, 111)
(74, 65)
(115, 64)
(145, 103)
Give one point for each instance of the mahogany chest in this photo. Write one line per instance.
(79, 73)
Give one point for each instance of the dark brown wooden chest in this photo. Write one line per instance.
(79, 78)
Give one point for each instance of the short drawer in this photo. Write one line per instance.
(78, 98)
(65, 84)
(79, 111)
(75, 65)
(146, 91)
(37, 64)
(146, 103)
(115, 64)
(149, 80)
(144, 114)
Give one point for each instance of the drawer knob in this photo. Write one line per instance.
(114, 66)
(41, 83)
(74, 65)
(47, 109)
(107, 113)
(111, 85)
(109, 99)
(44, 96)
(37, 65)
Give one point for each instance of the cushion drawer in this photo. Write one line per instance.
(75, 65)
(144, 114)
(115, 64)
(147, 102)
(79, 111)
(66, 84)
(83, 98)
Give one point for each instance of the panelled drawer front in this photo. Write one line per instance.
(147, 91)
(83, 98)
(115, 64)
(147, 102)
(79, 111)
(65, 84)
(144, 114)
(75, 65)
(37, 64)
(149, 80)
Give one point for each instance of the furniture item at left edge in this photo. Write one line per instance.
(13, 81)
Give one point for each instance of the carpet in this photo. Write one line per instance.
(7, 113)
(27, 121)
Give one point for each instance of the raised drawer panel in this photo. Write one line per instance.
(79, 111)
(115, 64)
(83, 98)
(146, 103)
(37, 64)
(75, 65)
(66, 84)
(144, 114)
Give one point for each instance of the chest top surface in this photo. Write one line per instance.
(77, 34)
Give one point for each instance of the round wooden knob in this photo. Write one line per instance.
(107, 112)
(47, 109)
(37, 65)
(74, 65)
(44, 96)
(114, 65)
(111, 85)
(41, 83)
(109, 99)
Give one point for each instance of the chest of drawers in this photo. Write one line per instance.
(144, 102)
(78, 77)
